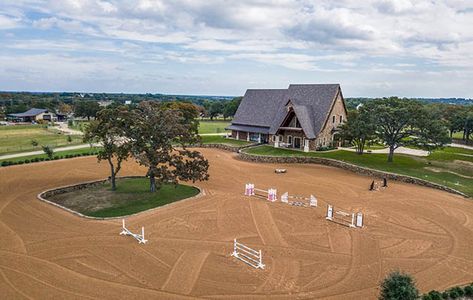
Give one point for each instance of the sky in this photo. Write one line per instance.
(373, 48)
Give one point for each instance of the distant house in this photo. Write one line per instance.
(303, 116)
(33, 115)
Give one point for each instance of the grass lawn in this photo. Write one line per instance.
(216, 139)
(59, 153)
(80, 125)
(132, 196)
(14, 139)
(213, 126)
(452, 167)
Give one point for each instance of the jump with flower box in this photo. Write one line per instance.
(270, 194)
(299, 200)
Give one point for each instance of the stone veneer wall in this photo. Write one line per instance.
(345, 166)
(226, 147)
(337, 111)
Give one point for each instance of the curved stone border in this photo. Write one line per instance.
(346, 166)
(74, 187)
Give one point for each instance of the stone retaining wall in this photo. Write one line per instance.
(345, 166)
(225, 147)
(75, 187)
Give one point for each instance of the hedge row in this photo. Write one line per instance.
(457, 292)
(39, 159)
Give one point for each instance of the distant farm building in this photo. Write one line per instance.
(34, 115)
(303, 116)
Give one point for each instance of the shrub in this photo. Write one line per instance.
(20, 162)
(5, 163)
(41, 159)
(468, 290)
(398, 286)
(56, 157)
(455, 292)
(47, 159)
(426, 297)
(445, 295)
(435, 295)
(27, 161)
(48, 151)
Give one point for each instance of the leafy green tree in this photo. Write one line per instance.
(400, 122)
(358, 129)
(231, 107)
(110, 130)
(398, 286)
(65, 108)
(452, 116)
(215, 109)
(34, 143)
(86, 109)
(189, 111)
(431, 129)
(48, 150)
(159, 136)
(69, 139)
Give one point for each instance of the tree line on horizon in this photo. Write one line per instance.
(88, 105)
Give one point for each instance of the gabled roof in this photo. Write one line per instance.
(32, 112)
(258, 107)
(311, 103)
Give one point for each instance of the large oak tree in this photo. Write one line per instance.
(110, 130)
(401, 122)
(160, 135)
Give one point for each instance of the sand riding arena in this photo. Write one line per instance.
(46, 252)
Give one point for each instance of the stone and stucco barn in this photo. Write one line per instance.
(303, 116)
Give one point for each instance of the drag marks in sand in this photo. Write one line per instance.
(46, 252)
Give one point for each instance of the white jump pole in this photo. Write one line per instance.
(359, 220)
(329, 213)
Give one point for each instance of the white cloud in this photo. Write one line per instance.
(8, 22)
(391, 37)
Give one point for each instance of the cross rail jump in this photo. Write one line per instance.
(270, 194)
(344, 218)
(251, 257)
(310, 201)
(139, 237)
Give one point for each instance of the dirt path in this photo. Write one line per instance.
(46, 252)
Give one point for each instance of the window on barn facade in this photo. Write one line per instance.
(333, 119)
(341, 119)
(289, 140)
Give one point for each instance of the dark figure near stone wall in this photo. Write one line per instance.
(372, 186)
(385, 182)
